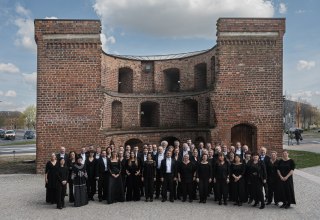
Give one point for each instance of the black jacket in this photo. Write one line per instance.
(173, 167)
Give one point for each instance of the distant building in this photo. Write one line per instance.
(231, 92)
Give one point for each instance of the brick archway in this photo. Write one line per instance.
(170, 140)
(134, 142)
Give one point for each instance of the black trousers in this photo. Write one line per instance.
(71, 196)
(272, 192)
(194, 189)
(265, 186)
(91, 187)
(221, 189)
(148, 187)
(158, 182)
(133, 188)
(177, 191)
(51, 195)
(187, 190)
(61, 193)
(257, 193)
(103, 185)
(203, 189)
(167, 185)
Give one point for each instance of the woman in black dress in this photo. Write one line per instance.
(186, 175)
(70, 164)
(62, 179)
(115, 187)
(221, 179)
(50, 179)
(285, 170)
(133, 176)
(176, 185)
(195, 160)
(79, 176)
(123, 169)
(257, 173)
(272, 179)
(149, 176)
(91, 168)
(237, 183)
(204, 177)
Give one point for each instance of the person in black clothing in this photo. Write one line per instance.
(176, 184)
(115, 187)
(266, 159)
(246, 161)
(158, 158)
(272, 178)
(79, 176)
(187, 171)
(237, 181)
(168, 175)
(285, 170)
(148, 177)
(50, 180)
(122, 160)
(91, 167)
(62, 154)
(204, 177)
(133, 176)
(62, 179)
(103, 164)
(195, 160)
(70, 163)
(257, 173)
(221, 179)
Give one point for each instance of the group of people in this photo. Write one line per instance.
(186, 172)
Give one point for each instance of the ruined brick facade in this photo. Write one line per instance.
(231, 92)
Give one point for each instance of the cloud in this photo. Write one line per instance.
(11, 106)
(306, 95)
(305, 65)
(8, 68)
(300, 11)
(176, 18)
(282, 8)
(10, 93)
(1, 93)
(30, 78)
(52, 17)
(25, 33)
(106, 41)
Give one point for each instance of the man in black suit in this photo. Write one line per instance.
(185, 150)
(168, 176)
(158, 158)
(200, 150)
(62, 154)
(103, 166)
(266, 159)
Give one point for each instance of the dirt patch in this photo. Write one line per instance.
(18, 164)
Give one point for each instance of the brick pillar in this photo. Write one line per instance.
(69, 102)
(249, 77)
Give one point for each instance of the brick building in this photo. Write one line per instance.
(231, 92)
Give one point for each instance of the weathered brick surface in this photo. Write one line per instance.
(239, 81)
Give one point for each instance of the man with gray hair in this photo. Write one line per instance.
(164, 145)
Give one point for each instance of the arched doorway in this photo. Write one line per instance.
(170, 140)
(246, 134)
(150, 114)
(198, 140)
(134, 142)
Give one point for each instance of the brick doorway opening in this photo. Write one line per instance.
(150, 114)
(172, 80)
(246, 135)
(134, 142)
(170, 139)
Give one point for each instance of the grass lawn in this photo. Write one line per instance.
(304, 159)
(17, 164)
(19, 143)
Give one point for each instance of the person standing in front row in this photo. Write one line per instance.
(149, 177)
(168, 175)
(62, 179)
(221, 179)
(158, 158)
(103, 175)
(237, 183)
(133, 176)
(50, 179)
(79, 176)
(204, 177)
(285, 170)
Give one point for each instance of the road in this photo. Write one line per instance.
(19, 149)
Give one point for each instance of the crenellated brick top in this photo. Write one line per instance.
(58, 26)
(251, 25)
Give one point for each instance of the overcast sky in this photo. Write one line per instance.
(153, 27)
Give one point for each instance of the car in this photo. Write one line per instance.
(2, 132)
(29, 135)
(10, 135)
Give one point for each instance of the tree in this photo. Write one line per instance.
(30, 116)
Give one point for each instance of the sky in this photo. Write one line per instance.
(155, 27)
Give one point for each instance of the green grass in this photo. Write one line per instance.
(304, 159)
(17, 164)
(9, 143)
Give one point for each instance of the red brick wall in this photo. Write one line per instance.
(69, 76)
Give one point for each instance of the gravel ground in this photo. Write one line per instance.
(23, 197)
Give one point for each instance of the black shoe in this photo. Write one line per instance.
(146, 200)
(255, 204)
(262, 206)
(235, 203)
(276, 204)
(100, 200)
(171, 200)
(283, 205)
(59, 207)
(250, 201)
(268, 203)
(287, 206)
(225, 203)
(157, 197)
(163, 200)
(220, 203)
(151, 200)
(190, 200)
(240, 204)
(205, 201)
(183, 200)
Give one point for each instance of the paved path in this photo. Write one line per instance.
(304, 147)
(19, 149)
(23, 196)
